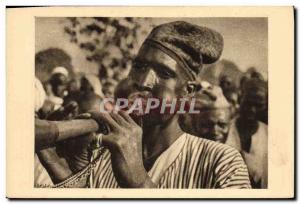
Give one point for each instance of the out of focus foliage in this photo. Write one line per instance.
(112, 43)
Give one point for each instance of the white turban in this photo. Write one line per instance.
(60, 70)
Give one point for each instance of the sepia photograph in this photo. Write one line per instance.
(82, 62)
(141, 102)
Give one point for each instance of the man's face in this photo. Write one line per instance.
(213, 124)
(59, 85)
(233, 100)
(108, 90)
(155, 72)
(253, 102)
(74, 85)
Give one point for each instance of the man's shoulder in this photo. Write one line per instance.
(209, 146)
(222, 162)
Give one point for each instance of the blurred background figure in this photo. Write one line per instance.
(109, 87)
(76, 151)
(56, 90)
(69, 156)
(56, 163)
(252, 73)
(48, 59)
(59, 81)
(90, 83)
(73, 89)
(250, 136)
(226, 82)
(223, 73)
(232, 96)
(213, 122)
(231, 93)
(214, 118)
(124, 89)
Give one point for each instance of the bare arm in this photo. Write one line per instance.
(47, 133)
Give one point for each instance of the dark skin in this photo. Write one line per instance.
(135, 149)
(233, 100)
(69, 156)
(59, 84)
(156, 72)
(213, 124)
(253, 101)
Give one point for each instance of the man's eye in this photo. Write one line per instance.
(165, 74)
(139, 66)
(222, 125)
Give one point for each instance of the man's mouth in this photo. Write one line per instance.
(140, 97)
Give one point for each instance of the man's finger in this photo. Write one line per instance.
(83, 116)
(107, 140)
(119, 119)
(126, 116)
(105, 118)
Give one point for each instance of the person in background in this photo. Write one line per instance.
(152, 151)
(57, 89)
(123, 89)
(231, 93)
(73, 89)
(71, 155)
(263, 114)
(75, 150)
(109, 87)
(213, 121)
(226, 82)
(91, 83)
(232, 96)
(41, 175)
(214, 118)
(252, 73)
(250, 136)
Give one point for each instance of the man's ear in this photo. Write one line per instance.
(193, 87)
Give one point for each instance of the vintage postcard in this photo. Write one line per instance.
(150, 102)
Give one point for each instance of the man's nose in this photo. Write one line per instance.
(148, 79)
(215, 129)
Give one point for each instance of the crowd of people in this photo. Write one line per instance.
(224, 146)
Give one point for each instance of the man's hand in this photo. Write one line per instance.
(65, 112)
(124, 141)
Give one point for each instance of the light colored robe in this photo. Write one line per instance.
(257, 158)
(190, 162)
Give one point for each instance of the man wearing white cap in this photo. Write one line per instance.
(58, 82)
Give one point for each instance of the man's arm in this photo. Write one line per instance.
(59, 170)
(56, 167)
(47, 133)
